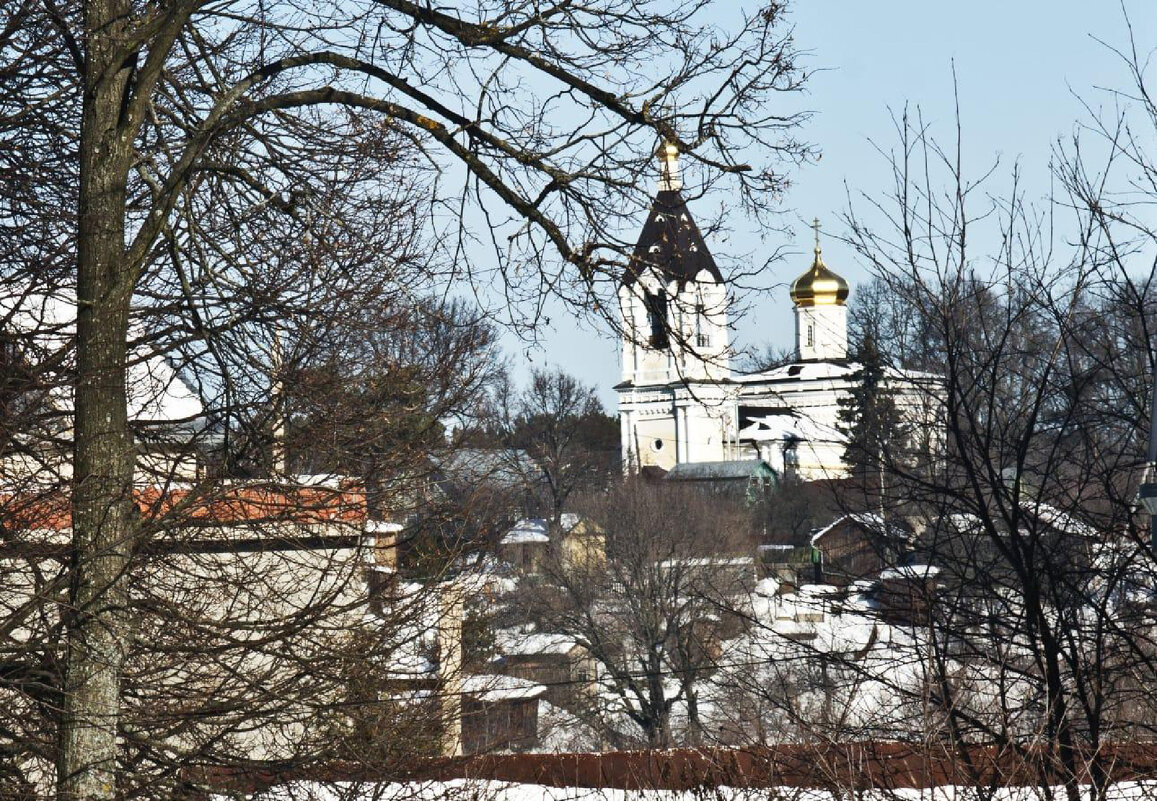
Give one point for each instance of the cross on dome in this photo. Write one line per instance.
(819, 286)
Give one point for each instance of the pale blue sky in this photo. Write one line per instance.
(1021, 65)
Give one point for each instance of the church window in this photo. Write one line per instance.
(657, 445)
(702, 338)
(791, 456)
(657, 317)
(811, 336)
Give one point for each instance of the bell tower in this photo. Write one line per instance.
(673, 397)
(821, 316)
(673, 299)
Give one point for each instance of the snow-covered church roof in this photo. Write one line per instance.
(782, 426)
(825, 371)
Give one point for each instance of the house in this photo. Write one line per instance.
(506, 480)
(465, 712)
(499, 713)
(575, 540)
(908, 593)
(858, 546)
(235, 590)
(790, 565)
(37, 337)
(526, 544)
(556, 661)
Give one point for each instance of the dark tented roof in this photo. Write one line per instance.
(671, 242)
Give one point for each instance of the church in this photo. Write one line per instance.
(681, 404)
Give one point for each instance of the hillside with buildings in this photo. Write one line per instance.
(302, 498)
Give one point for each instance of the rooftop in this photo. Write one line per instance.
(671, 243)
(738, 470)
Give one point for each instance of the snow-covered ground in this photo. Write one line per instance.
(477, 790)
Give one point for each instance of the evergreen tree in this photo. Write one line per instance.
(869, 416)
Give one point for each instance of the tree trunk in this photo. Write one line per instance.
(103, 458)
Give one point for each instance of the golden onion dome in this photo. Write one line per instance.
(819, 286)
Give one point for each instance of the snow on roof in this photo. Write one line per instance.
(869, 520)
(817, 589)
(773, 427)
(1045, 514)
(407, 663)
(802, 371)
(330, 480)
(156, 393)
(910, 572)
(492, 688)
(719, 471)
(826, 370)
(516, 642)
(382, 527)
(529, 529)
(1061, 521)
(708, 561)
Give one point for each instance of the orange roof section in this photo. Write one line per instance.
(217, 506)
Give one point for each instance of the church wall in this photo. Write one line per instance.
(821, 460)
(700, 317)
(656, 439)
(693, 422)
(642, 364)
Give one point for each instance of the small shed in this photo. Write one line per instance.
(527, 544)
(499, 713)
(564, 667)
(858, 546)
(908, 592)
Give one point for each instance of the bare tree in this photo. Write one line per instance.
(1017, 613)
(651, 611)
(573, 445)
(1031, 633)
(227, 159)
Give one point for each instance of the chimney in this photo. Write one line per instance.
(450, 613)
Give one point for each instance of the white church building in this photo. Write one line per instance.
(679, 400)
